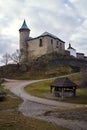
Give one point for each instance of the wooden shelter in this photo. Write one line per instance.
(63, 87)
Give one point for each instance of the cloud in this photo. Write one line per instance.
(81, 7)
(7, 45)
(80, 38)
(65, 18)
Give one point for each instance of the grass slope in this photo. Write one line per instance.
(11, 71)
(41, 88)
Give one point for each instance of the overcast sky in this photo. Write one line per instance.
(67, 19)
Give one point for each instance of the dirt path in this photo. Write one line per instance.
(36, 107)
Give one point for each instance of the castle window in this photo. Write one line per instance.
(57, 42)
(41, 44)
(60, 45)
(51, 41)
(21, 51)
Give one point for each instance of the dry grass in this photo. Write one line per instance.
(9, 103)
(16, 121)
(39, 88)
(11, 71)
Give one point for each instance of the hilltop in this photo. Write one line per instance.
(13, 72)
(46, 66)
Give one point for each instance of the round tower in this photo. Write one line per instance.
(24, 32)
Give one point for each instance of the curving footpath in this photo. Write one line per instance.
(36, 107)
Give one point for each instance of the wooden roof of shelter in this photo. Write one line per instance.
(63, 82)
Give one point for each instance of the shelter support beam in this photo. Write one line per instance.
(62, 93)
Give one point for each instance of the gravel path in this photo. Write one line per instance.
(36, 107)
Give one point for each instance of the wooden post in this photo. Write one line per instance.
(51, 89)
(74, 92)
(62, 93)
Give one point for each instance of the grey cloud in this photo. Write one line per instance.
(60, 17)
(6, 45)
(81, 6)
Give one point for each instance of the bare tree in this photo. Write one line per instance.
(5, 58)
(15, 57)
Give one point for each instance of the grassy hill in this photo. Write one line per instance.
(38, 69)
(37, 72)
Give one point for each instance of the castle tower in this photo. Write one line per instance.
(24, 32)
(71, 50)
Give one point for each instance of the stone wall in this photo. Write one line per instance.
(72, 52)
(79, 63)
(80, 55)
(54, 45)
(35, 49)
(49, 45)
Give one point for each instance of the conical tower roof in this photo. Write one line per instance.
(24, 26)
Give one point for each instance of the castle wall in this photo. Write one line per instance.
(48, 45)
(80, 55)
(54, 45)
(72, 52)
(35, 49)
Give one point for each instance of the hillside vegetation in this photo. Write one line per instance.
(37, 72)
(43, 67)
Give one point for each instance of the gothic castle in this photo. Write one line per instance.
(32, 48)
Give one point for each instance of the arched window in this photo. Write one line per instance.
(41, 44)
